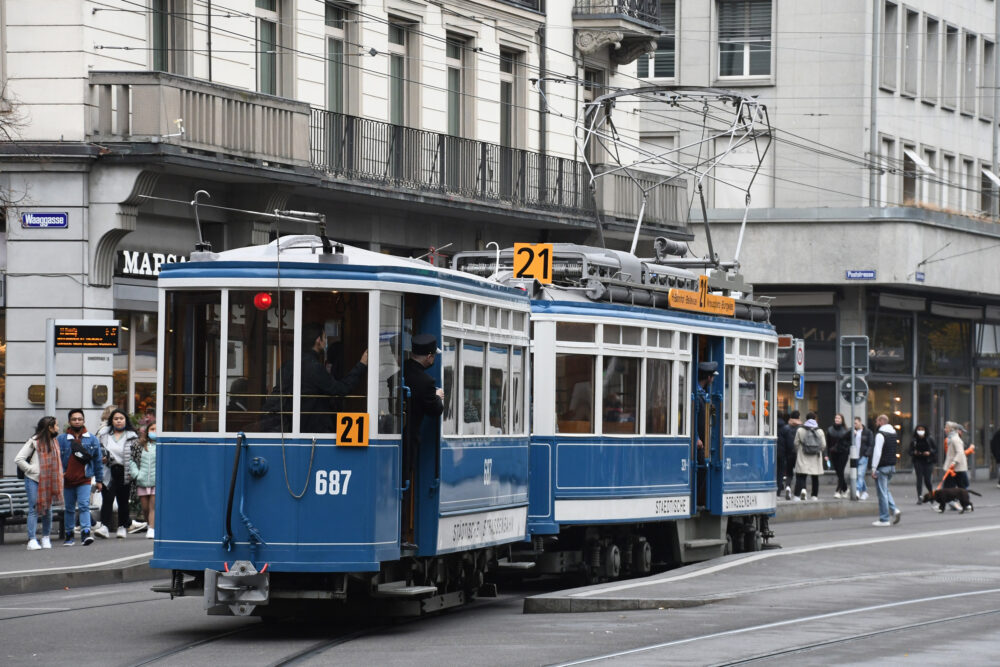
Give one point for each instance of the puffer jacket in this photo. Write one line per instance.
(144, 474)
(130, 439)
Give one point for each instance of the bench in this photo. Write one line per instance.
(14, 506)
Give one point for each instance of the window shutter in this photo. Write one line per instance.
(667, 14)
(744, 20)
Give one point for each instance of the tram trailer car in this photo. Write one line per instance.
(617, 482)
(268, 499)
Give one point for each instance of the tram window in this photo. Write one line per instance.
(683, 396)
(727, 403)
(494, 318)
(612, 334)
(621, 394)
(657, 396)
(390, 337)
(744, 347)
(260, 341)
(631, 336)
(517, 389)
(575, 393)
(472, 389)
(517, 321)
(191, 347)
(753, 348)
(682, 342)
(499, 391)
(505, 320)
(480, 316)
(468, 313)
(344, 318)
(747, 412)
(768, 407)
(666, 339)
(449, 360)
(575, 332)
(449, 310)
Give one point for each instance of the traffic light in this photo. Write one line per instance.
(796, 381)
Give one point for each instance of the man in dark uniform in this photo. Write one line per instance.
(318, 386)
(707, 370)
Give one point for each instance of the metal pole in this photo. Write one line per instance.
(854, 476)
(873, 118)
(50, 367)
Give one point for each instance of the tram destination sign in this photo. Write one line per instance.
(86, 335)
(701, 301)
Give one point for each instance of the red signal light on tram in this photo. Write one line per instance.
(262, 300)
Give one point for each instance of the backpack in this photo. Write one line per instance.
(812, 443)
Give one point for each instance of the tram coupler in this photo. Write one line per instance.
(240, 589)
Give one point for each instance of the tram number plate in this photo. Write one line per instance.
(533, 260)
(352, 429)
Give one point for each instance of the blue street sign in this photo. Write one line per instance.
(860, 274)
(920, 276)
(801, 393)
(44, 220)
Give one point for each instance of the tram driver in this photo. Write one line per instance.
(707, 370)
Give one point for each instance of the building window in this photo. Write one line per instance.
(911, 53)
(969, 79)
(930, 194)
(511, 99)
(593, 87)
(134, 377)
(969, 186)
(267, 46)
(988, 84)
(401, 78)
(944, 346)
(887, 182)
(948, 197)
(891, 342)
(985, 191)
(950, 78)
(932, 56)
(169, 23)
(455, 49)
(336, 23)
(744, 38)
(662, 61)
(890, 45)
(909, 176)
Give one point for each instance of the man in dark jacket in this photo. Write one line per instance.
(317, 385)
(786, 440)
(425, 398)
(995, 448)
(780, 453)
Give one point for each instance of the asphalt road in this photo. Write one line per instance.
(840, 591)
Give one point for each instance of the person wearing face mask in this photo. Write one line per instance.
(142, 468)
(116, 443)
(923, 451)
(81, 459)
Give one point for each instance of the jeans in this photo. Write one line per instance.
(886, 505)
(31, 488)
(77, 499)
(862, 469)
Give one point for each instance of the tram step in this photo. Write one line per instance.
(703, 543)
(515, 565)
(399, 589)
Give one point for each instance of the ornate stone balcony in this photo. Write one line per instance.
(627, 28)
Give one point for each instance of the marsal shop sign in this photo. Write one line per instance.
(142, 264)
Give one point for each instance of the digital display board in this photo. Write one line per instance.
(85, 336)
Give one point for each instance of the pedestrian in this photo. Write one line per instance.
(39, 460)
(838, 439)
(81, 461)
(862, 444)
(883, 468)
(142, 467)
(787, 443)
(955, 459)
(995, 448)
(810, 447)
(923, 452)
(116, 446)
(779, 453)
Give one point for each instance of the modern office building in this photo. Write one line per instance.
(875, 211)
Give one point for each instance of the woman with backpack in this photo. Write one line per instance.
(810, 445)
(839, 438)
(41, 464)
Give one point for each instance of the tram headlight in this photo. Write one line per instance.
(262, 300)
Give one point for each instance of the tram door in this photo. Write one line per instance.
(707, 394)
(421, 454)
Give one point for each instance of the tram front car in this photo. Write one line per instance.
(273, 493)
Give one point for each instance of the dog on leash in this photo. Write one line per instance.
(944, 496)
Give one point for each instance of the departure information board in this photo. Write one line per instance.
(86, 335)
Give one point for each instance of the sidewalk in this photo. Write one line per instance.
(108, 561)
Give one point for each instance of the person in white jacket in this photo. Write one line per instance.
(142, 468)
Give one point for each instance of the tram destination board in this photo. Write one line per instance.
(85, 335)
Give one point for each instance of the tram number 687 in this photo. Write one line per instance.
(332, 482)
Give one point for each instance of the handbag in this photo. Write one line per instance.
(20, 473)
(80, 452)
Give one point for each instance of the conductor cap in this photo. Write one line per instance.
(425, 344)
(708, 368)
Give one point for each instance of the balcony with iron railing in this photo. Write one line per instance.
(220, 123)
(628, 28)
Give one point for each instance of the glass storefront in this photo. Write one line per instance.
(820, 397)
(895, 400)
(134, 380)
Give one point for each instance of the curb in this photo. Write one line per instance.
(808, 510)
(565, 605)
(79, 578)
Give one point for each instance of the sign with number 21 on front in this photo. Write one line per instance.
(533, 261)
(352, 429)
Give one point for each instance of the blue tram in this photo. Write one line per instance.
(272, 493)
